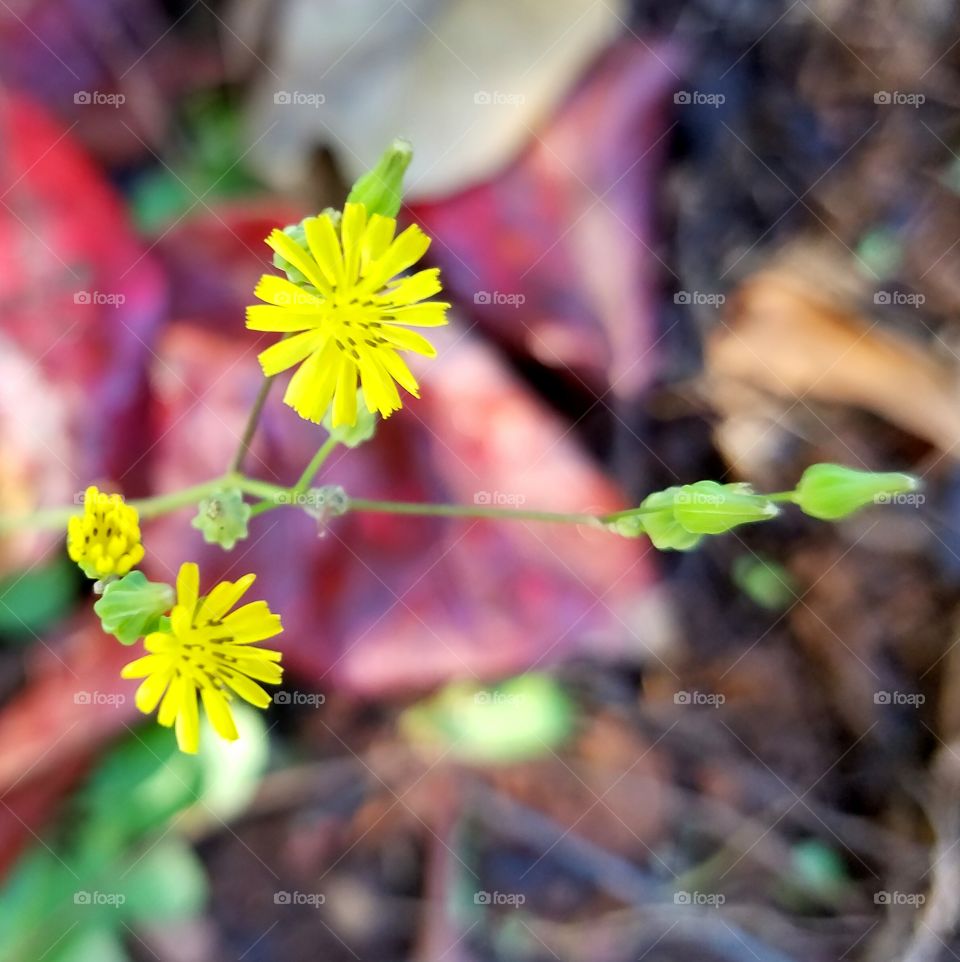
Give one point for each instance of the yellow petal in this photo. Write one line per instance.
(248, 690)
(311, 388)
(282, 320)
(170, 706)
(291, 350)
(406, 249)
(408, 340)
(284, 293)
(398, 370)
(345, 398)
(260, 669)
(376, 241)
(188, 720)
(417, 287)
(252, 622)
(147, 665)
(431, 314)
(223, 597)
(218, 711)
(352, 228)
(292, 252)
(188, 585)
(151, 691)
(325, 248)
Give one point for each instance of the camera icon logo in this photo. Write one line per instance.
(482, 97)
(282, 898)
(682, 97)
(82, 97)
(481, 898)
(482, 497)
(481, 297)
(681, 698)
(282, 97)
(882, 97)
(281, 698)
(81, 698)
(81, 898)
(881, 698)
(81, 297)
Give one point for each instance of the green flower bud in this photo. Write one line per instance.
(381, 189)
(661, 524)
(132, 607)
(831, 491)
(222, 518)
(711, 508)
(353, 435)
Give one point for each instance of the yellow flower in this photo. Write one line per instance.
(354, 317)
(206, 650)
(105, 539)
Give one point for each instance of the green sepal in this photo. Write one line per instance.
(708, 507)
(133, 606)
(222, 518)
(381, 189)
(353, 435)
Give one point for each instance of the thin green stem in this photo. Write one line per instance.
(310, 471)
(469, 511)
(250, 428)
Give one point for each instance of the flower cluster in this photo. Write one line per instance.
(104, 540)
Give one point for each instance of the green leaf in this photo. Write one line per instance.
(131, 607)
(101, 942)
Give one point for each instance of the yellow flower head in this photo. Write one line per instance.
(105, 539)
(204, 649)
(354, 317)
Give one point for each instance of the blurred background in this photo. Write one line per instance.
(683, 240)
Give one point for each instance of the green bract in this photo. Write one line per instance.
(831, 491)
(352, 435)
(711, 508)
(133, 606)
(222, 518)
(381, 189)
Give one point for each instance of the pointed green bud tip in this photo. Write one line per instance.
(353, 435)
(222, 518)
(381, 189)
(708, 507)
(831, 491)
(132, 607)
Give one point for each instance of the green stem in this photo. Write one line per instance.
(470, 511)
(310, 471)
(253, 419)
